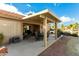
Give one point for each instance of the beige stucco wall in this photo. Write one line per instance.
(10, 28)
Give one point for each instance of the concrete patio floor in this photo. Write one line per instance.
(28, 47)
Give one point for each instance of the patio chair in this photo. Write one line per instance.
(38, 35)
(14, 39)
(27, 34)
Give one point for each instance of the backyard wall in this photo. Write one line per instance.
(10, 28)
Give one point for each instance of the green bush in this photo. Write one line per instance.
(59, 32)
(74, 34)
(1, 38)
(67, 34)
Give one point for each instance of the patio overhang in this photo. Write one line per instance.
(43, 18)
(38, 17)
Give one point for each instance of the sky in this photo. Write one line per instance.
(67, 12)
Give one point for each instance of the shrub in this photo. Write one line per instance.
(67, 34)
(74, 34)
(1, 38)
(59, 32)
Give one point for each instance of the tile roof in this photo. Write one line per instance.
(12, 15)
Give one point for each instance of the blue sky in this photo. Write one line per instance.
(67, 12)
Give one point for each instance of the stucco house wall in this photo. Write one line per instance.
(10, 28)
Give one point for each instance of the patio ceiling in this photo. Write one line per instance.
(38, 17)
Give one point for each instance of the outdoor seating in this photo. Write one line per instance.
(38, 36)
(27, 34)
(14, 39)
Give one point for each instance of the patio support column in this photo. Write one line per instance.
(22, 30)
(55, 30)
(45, 32)
(40, 28)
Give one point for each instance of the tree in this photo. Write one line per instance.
(74, 26)
(62, 26)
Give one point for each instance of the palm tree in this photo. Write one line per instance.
(62, 26)
(74, 26)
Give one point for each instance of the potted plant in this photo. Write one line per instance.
(1, 38)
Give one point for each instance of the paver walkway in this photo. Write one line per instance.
(66, 46)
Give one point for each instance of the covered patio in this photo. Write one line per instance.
(37, 22)
(42, 19)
